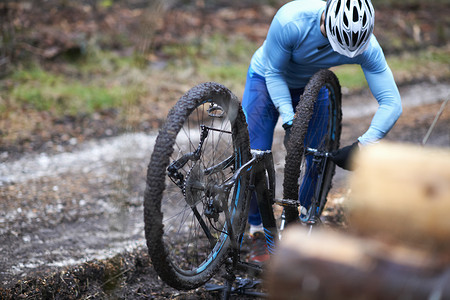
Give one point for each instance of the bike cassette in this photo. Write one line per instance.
(193, 185)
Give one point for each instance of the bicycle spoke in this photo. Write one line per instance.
(215, 148)
(205, 228)
(193, 228)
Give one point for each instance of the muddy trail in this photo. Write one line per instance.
(71, 223)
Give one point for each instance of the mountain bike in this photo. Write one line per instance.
(202, 174)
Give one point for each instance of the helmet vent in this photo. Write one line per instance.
(349, 25)
(338, 37)
(354, 38)
(363, 36)
(347, 42)
(338, 6)
(370, 11)
(355, 14)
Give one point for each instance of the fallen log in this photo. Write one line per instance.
(333, 265)
(397, 245)
(401, 193)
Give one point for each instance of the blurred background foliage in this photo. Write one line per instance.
(130, 60)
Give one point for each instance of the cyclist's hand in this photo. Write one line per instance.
(343, 157)
(287, 133)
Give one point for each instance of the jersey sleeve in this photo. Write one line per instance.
(278, 48)
(382, 85)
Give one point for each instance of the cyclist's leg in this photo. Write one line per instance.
(317, 128)
(261, 117)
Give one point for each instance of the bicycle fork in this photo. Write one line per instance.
(263, 186)
(309, 216)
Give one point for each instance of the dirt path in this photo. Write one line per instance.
(72, 207)
(67, 210)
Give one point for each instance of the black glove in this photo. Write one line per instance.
(343, 157)
(287, 134)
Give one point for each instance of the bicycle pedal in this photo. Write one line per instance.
(246, 283)
(287, 202)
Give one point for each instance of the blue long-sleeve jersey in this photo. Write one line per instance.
(295, 49)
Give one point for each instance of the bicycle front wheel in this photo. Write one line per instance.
(187, 210)
(299, 172)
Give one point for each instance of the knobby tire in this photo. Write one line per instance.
(295, 148)
(162, 251)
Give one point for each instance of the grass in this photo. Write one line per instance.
(219, 58)
(225, 60)
(54, 93)
(101, 80)
(433, 60)
(350, 77)
(143, 87)
(94, 83)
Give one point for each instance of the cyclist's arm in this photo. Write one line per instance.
(277, 51)
(383, 87)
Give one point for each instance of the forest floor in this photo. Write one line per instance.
(66, 231)
(72, 222)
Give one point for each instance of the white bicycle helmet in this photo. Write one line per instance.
(349, 25)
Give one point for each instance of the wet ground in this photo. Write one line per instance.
(71, 223)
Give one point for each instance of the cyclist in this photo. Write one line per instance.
(304, 37)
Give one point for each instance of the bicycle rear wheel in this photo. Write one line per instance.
(203, 142)
(296, 172)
